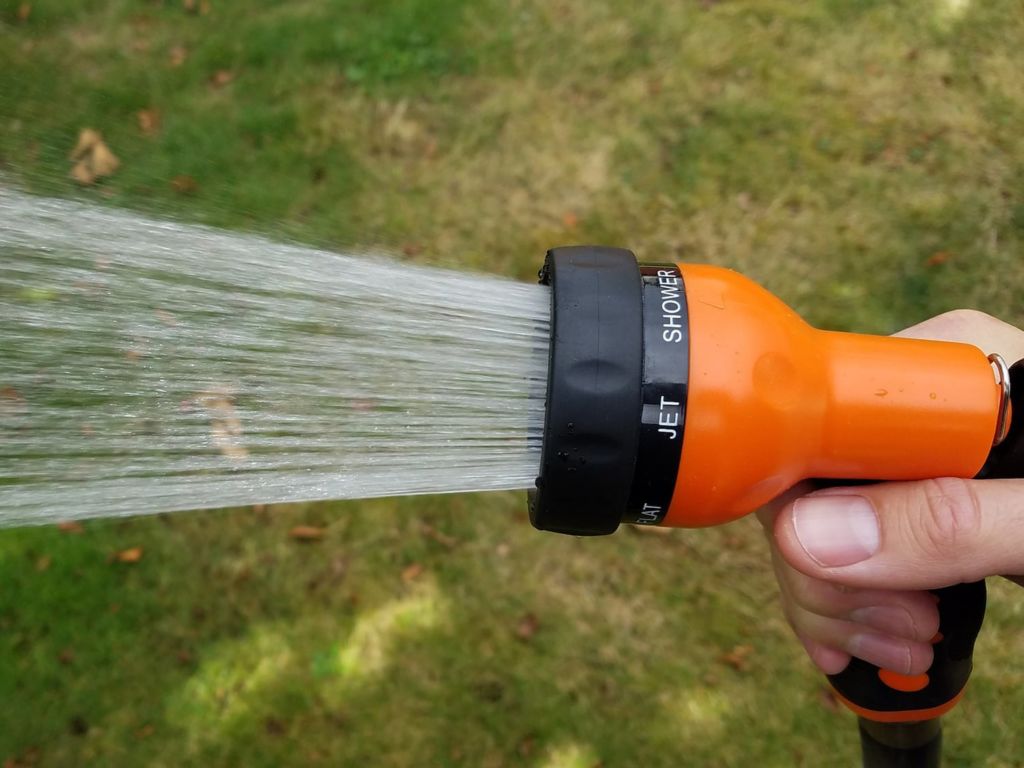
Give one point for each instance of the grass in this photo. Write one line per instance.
(861, 159)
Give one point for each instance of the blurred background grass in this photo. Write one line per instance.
(862, 159)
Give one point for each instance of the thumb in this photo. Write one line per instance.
(910, 535)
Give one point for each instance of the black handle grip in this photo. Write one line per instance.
(885, 696)
(882, 696)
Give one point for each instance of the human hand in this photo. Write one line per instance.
(854, 563)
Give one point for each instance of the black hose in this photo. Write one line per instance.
(901, 745)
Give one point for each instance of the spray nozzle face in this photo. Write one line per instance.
(616, 395)
(776, 401)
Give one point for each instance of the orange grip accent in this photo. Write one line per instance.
(772, 401)
(904, 683)
(899, 716)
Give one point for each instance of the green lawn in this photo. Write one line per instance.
(864, 160)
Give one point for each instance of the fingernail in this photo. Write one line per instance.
(836, 530)
(884, 652)
(891, 619)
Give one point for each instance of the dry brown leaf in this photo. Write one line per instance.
(527, 746)
(570, 220)
(92, 158)
(82, 173)
(938, 258)
(738, 658)
(177, 55)
(70, 526)
(149, 121)
(104, 162)
(87, 139)
(225, 428)
(190, 6)
(131, 555)
(66, 656)
(24, 11)
(441, 538)
(411, 572)
(221, 78)
(184, 184)
(275, 726)
(306, 533)
(527, 626)
(165, 317)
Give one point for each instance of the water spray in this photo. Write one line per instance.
(149, 366)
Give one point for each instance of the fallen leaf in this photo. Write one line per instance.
(938, 258)
(527, 746)
(274, 726)
(43, 563)
(92, 158)
(738, 657)
(104, 162)
(165, 317)
(306, 533)
(82, 173)
(149, 121)
(411, 572)
(177, 55)
(12, 405)
(412, 249)
(734, 542)
(221, 78)
(441, 538)
(225, 427)
(527, 626)
(570, 220)
(184, 184)
(190, 6)
(24, 11)
(70, 526)
(66, 656)
(131, 555)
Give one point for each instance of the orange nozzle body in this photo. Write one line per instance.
(772, 401)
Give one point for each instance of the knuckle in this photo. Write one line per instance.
(967, 317)
(951, 516)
